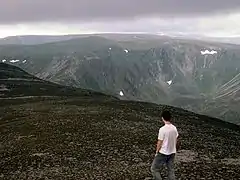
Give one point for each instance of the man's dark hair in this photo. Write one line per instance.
(166, 115)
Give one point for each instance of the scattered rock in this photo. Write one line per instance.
(40, 154)
(186, 156)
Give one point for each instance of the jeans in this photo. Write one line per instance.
(158, 161)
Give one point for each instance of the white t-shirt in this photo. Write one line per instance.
(168, 134)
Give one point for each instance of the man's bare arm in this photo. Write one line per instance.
(159, 145)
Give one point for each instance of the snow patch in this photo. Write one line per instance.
(24, 61)
(169, 82)
(4, 60)
(121, 93)
(207, 52)
(14, 61)
(126, 51)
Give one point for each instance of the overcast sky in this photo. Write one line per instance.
(194, 17)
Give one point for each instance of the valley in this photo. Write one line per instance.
(195, 75)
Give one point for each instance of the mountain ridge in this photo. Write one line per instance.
(42, 39)
(142, 69)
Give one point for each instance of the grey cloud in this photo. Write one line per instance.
(18, 11)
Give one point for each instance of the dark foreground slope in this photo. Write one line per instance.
(47, 133)
(87, 138)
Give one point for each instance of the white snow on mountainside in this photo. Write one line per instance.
(207, 52)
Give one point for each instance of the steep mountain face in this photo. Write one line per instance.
(199, 76)
(16, 83)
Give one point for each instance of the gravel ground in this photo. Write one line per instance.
(84, 138)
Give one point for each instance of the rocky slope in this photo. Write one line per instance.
(98, 137)
(84, 138)
(195, 75)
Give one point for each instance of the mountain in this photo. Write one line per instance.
(34, 39)
(196, 75)
(16, 83)
(42, 39)
(71, 135)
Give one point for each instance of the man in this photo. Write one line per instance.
(166, 148)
